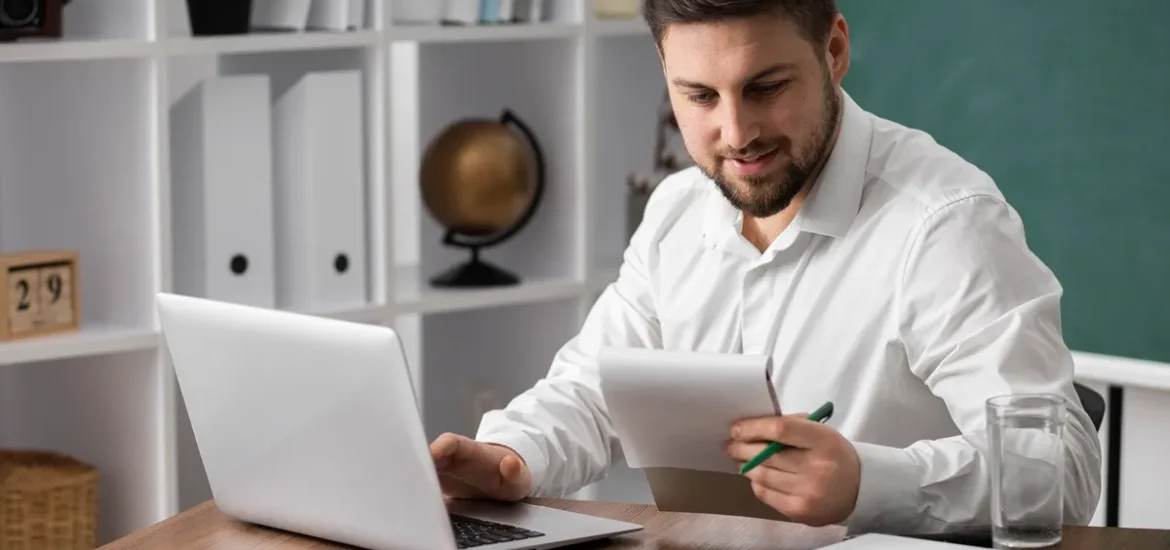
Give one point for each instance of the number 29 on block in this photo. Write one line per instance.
(41, 293)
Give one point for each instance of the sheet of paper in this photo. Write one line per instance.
(674, 409)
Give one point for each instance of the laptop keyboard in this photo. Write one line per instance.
(472, 532)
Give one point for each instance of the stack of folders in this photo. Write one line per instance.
(296, 15)
(468, 12)
(268, 194)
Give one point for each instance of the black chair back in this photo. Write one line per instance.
(1093, 403)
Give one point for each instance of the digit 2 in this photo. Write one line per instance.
(23, 304)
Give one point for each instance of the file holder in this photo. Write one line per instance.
(320, 192)
(221, 160)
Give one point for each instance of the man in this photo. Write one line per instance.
(878, 269)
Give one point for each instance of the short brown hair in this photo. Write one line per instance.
(814, 17)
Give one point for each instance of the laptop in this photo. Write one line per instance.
(311, 425)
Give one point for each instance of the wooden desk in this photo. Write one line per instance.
(205, 528)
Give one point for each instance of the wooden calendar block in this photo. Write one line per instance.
(41, 296)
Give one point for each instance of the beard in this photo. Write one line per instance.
(764, 195)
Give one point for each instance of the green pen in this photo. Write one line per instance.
(820, 415)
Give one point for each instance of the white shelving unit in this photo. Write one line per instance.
(85, 164)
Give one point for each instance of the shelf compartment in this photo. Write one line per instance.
(75, 174)
(286, 74)
(90, 29)
(627, 101)
(540, 87)
(108, 19)
(104, 411)
(472, 363)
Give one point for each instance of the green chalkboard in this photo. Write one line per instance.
(1066, 103)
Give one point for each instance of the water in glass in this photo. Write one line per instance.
(1026, 450)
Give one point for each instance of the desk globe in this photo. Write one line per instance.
(482, 182)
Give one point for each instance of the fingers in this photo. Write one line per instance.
(444, 448)
(795, 507)
(454, 487)
(511, 469)
(780, 481)
(791, 459)
(794, 430)
(472, 469)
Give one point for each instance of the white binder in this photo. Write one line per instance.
(417, 11)
(528, 11)
(330, 15)
(462, 12)
(280, 15)
(320, 193)
(357, 14)
(221, 181)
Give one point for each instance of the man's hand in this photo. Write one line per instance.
(473, 469)
(814, 480)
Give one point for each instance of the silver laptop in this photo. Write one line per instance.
(311, 425)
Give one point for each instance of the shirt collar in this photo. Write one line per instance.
(835, 197)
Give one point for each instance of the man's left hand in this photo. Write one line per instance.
(814, 480)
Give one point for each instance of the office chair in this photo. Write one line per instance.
(1093, 403)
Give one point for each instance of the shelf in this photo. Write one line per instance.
(415, 295)
(631, 27)
(74, 50)
(89, 341)
(273, 42)
(481, 33)
(358, 314)
(1121, 371)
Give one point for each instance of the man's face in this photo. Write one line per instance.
(756, 105)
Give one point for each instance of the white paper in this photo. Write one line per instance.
(675, 409)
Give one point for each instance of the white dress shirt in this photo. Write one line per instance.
(903, 291)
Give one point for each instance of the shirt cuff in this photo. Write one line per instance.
(524, 446)
(887, 498)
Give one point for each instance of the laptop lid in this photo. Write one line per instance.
(305, 423)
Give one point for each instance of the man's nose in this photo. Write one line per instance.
(740, 126)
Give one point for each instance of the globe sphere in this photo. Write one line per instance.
(476, 177)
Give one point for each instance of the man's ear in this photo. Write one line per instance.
(837, 49)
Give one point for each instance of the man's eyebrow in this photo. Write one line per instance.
(768, 71)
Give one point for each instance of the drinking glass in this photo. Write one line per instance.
(1026, 455)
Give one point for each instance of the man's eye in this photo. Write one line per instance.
(700, 97)
(768, 89)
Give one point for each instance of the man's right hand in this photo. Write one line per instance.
(476, 470)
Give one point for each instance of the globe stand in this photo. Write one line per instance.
(473, 274)
(476, 273)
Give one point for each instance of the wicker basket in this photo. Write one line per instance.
(47, 501)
